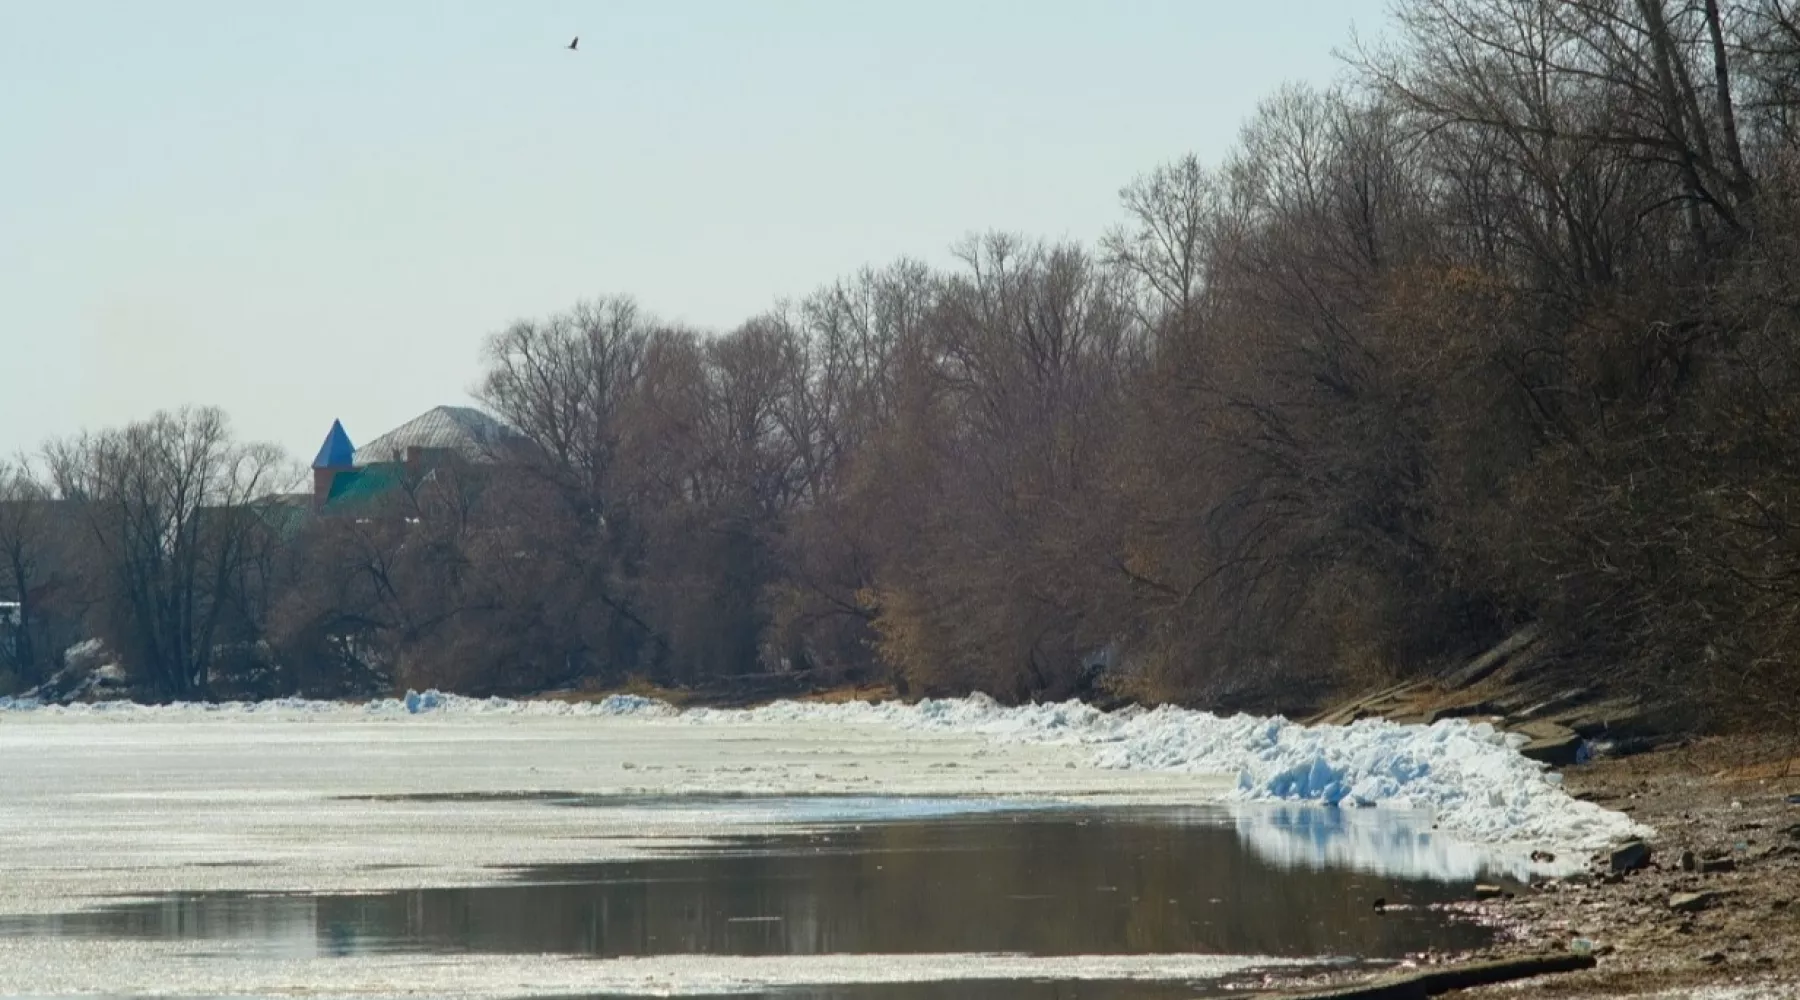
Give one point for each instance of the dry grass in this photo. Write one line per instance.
(853, 692)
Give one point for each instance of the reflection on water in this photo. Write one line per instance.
(1378, 841)
(1072, 882)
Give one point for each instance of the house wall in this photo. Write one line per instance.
(322, 479)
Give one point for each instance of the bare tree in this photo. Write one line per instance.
(1175, 213)
(562, 383)
(171, 504)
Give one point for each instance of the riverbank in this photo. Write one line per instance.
(1711, 911)
(1715, 908)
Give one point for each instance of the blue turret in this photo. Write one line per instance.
(336, 455)
(337, 452)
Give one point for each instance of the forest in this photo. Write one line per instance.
(1503, 330)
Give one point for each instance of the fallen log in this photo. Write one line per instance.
(1436, 982)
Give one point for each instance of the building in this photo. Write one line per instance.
(12, 618)
(346, 477)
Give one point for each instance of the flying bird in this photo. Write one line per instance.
(574, 43)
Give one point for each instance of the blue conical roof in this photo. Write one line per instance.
(337, 452)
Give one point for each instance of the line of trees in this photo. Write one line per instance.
(1501, 331)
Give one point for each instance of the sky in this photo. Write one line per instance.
(308, 211)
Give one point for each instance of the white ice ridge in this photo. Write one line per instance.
(1470, 776)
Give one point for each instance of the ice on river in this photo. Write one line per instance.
(1467, 774)
(107, 802)
(52, 967)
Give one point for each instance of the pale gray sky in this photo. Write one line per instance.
(301, 211)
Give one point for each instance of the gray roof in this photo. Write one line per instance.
(467, 431)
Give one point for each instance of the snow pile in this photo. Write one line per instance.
(437, 702)
(89, 671)
(1469, 775)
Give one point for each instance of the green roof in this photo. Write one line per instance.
(286, 515)
(357, 487)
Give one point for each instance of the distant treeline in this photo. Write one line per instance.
(1504, 330)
